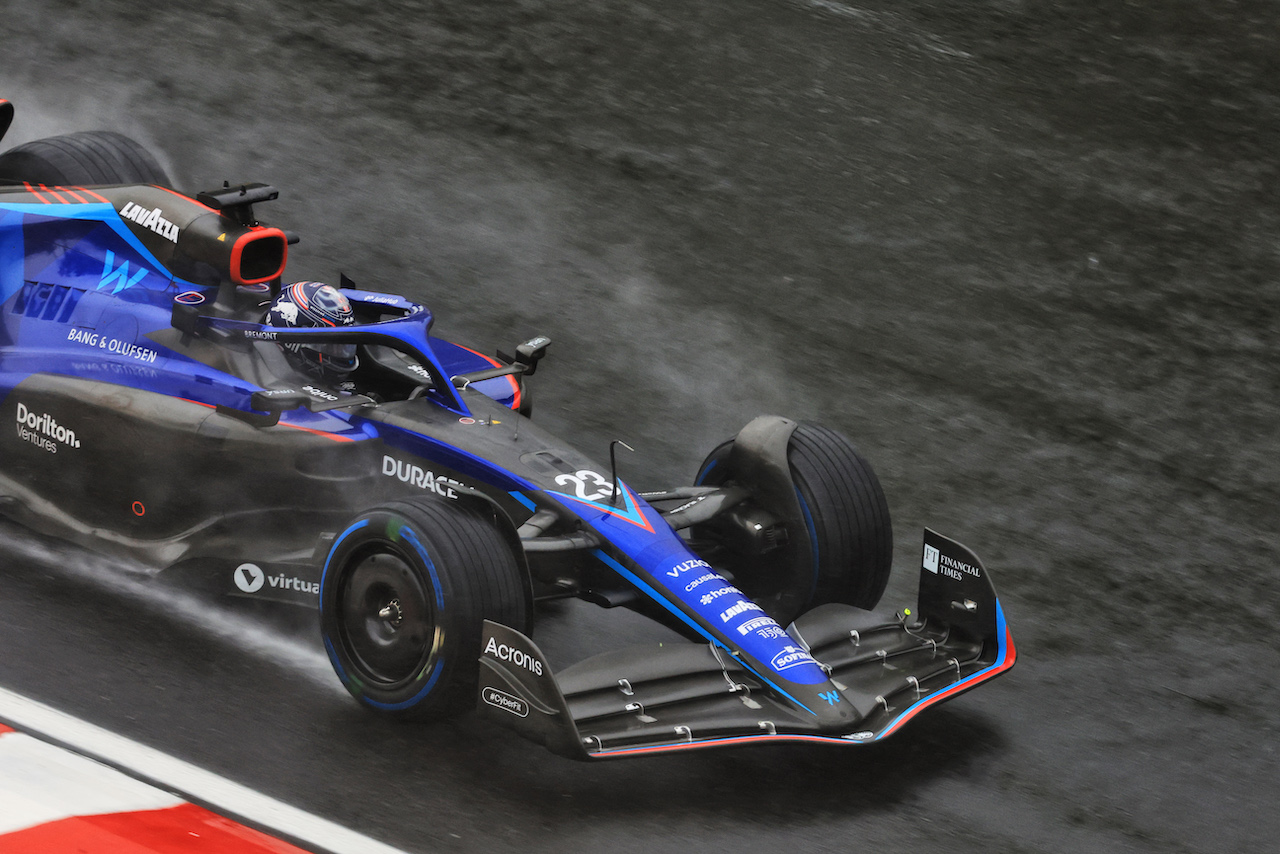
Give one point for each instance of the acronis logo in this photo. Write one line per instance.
(119, 275)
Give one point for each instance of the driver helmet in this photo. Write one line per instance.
(310, 305)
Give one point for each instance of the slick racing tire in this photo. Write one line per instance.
(77, 159)
(403, 595)
(846, 524)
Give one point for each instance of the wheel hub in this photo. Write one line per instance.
(388, 621)
(392, 614)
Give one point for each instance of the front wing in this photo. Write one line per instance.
(653, 699)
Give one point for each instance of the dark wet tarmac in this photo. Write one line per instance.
(1026, 254)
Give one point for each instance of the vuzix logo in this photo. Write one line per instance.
(931, 559)
(832, 697)
(506, 702)
(518, 657)
(419, 477)
(675, 571)
(119, 275)
(152, 219)
(791, 656)
(740, 608)
(43, 431)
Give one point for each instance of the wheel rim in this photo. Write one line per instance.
(387, 620)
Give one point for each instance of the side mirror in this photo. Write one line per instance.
(278, 400)
(521, 365)
(528, 353)
(272, 402)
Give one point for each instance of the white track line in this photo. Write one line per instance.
(196, 784)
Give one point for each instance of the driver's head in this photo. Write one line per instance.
(308, 305)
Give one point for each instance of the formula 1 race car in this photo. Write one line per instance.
(158, 417)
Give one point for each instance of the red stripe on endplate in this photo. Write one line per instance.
(182, 829)
(4, 729)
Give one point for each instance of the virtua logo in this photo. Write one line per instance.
(119, 275)
(250, 578)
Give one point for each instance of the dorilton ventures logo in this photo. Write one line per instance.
(43, 431)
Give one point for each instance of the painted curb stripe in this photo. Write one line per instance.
(138, 760)
(183, 829)
(40, 783)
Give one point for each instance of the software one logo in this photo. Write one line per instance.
(931, 559)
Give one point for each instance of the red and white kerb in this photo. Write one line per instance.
(52, 800)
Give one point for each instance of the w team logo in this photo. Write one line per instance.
(119, 275)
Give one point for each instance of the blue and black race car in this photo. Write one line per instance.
(395, 482)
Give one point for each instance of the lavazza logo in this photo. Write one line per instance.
(740, 608)
(152, 219)
(43, 431)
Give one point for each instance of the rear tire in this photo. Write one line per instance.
(846, 523)
(77, 159)
(404, 592)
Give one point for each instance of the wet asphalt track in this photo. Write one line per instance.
(1025, 253)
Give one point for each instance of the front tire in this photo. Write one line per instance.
(845, 526)
(404, 592)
